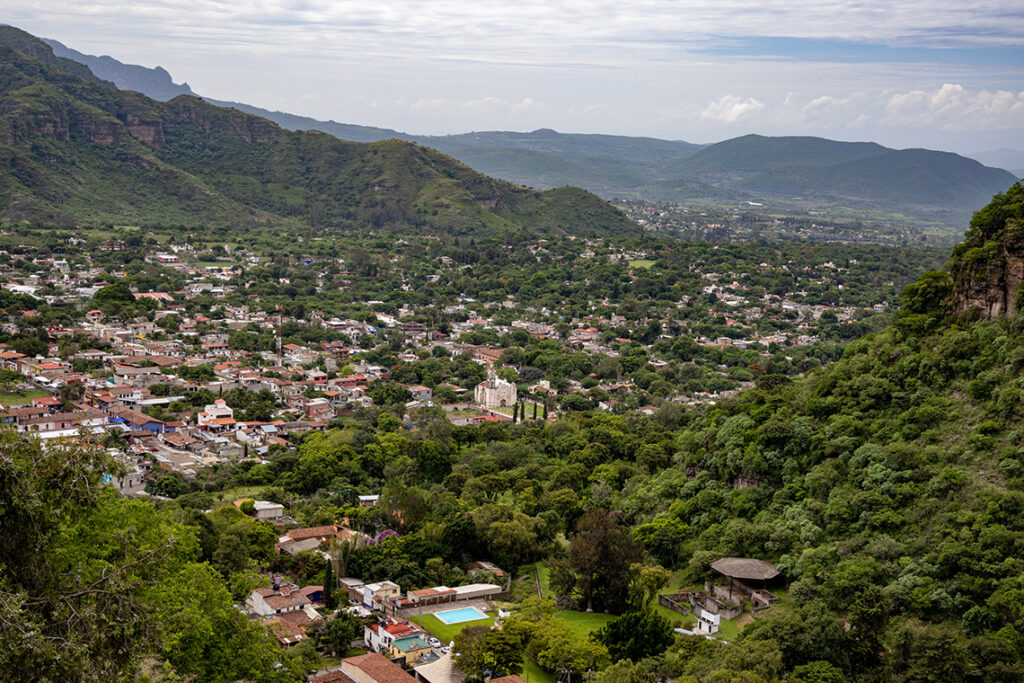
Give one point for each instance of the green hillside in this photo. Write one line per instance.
(757, 153)
(77, 151)
(888, 488)
(787, 174)
(855, 174)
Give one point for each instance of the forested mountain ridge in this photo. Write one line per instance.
(78, 151)
(794, 172)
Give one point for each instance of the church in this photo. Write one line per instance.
(495, 392)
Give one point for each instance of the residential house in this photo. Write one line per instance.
(421, 393)
(216, 417)
(311, 538)
(137, 421)
(375, 595)
(372, 667)
(264, 510)
(277, 599)
(397, 639)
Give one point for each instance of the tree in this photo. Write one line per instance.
(92, 583)
(636, 635)
(484, 652)
(117, 292)
(340, 552)
(644, 584)
(562, 653)
(8, 378)
(596, 570)
(329, 586)
(337, 634)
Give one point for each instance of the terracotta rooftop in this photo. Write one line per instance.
(294, 599)
(311, 532)
(377, 667)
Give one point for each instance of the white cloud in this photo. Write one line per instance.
(527, 31)
(436, 66)
(731, 108)
(483, 104)
(952, 107)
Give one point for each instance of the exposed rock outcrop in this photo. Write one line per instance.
(988, 266)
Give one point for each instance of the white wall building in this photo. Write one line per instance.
(495, 392)
(218, 410)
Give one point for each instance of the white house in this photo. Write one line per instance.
(218, 410)
(376, 594)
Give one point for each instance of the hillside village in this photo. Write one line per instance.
(173, 379)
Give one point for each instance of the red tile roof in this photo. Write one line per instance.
(377, 667)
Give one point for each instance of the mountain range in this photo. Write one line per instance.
(76, 150)
(789, 173)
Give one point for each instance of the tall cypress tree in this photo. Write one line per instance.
(329, 601)
(515, 414)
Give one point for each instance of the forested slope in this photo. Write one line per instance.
(74, 150)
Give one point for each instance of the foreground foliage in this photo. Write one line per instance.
(90, 583)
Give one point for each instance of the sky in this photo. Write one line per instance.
(914, 73)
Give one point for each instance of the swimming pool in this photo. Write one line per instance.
(457, 616)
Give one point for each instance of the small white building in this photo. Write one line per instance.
(707, 623)
(265, 509)
(376, 594)
(477, 591)
(218, 410)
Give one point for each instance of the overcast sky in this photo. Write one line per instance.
(910, 73)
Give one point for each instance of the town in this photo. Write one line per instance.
(295, 399)
(201, 360)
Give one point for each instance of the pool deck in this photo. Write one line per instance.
(477, 615)
(481, 605)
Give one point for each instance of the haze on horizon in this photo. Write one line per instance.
(913, 74)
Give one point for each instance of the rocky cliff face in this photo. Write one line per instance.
(988, 266)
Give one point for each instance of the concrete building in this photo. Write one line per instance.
(495, 392)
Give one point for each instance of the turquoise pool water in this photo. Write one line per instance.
(457, 616)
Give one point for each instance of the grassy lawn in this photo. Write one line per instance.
(237, 493)
(582, 623)
(533, 673)
(672, 615)
(641, 263)
(446, 632)
(545, 585)
(17, 398)
(727, 630)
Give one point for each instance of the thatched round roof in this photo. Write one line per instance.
(745, 568)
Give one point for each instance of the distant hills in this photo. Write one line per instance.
(1010, 159)
(76, 150)
(788, 173)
